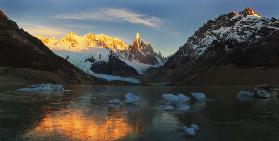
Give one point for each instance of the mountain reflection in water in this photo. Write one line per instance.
(79, 125)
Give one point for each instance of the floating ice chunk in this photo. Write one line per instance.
(183, 107)
(182, 98)
(245, 96)
(170, 98)
(43, 87)
(130, 98)
(173, 99)
(168, 107)
(192, 130)
(199, 96)
(263, 94)
(114, 102)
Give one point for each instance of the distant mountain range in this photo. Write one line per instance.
(235, 48)
(102, 54)
(238, 48)
(25, 59)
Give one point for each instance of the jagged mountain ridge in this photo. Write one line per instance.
(104, 54)
(21, 51)
(222, 51)
(72, 41)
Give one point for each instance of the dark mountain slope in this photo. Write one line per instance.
(18, 49)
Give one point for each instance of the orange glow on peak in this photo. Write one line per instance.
(251, 12)
(72, 41)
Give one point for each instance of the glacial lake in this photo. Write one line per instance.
(83, 114)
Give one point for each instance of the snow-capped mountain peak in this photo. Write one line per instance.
(231, 30)
(234, 26)
(227, 50)
(73, 42)
(104, 54)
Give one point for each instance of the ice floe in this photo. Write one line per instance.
(198, 96)
(130, 98)
(257, 93)
(43, 88)
(245, 96)
(176, 102)
(175, 99)
(262, 94)
(191, 130)
(168, 107)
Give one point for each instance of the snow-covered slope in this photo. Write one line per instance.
(234, 27)
(235, 48)
(102, 55)
(79, 58)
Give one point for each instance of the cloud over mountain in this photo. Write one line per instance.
(115, 15)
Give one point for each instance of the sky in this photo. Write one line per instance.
(166, 24)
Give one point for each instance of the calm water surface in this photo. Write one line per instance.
(84, 115)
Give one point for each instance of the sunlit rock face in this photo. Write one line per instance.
(136, 44)
(144, 53)
(251, 12)
(83, 127)
(74, 42)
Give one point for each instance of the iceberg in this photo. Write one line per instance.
(192, 130)
(177, 102)
(42, 88)
(168, 107)
(130, 98)
(262, 94)
(170, 98)
(183, 98)
(245, 96)
(173, 99)
(199, 96)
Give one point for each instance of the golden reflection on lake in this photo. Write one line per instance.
(78, 126)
